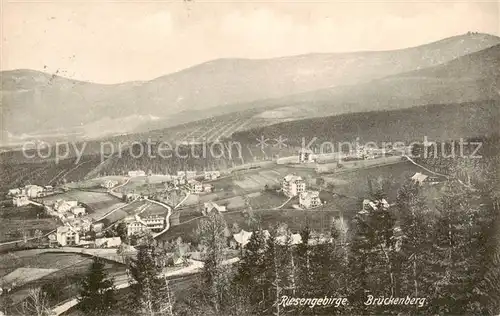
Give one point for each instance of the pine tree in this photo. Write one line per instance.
(150, 291)
(97, 291)
(215, 274)
(250, 278)
(304, 273)
(415, 268)
(459, 252)
(372, 257)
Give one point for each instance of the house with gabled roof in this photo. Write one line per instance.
(293, 185)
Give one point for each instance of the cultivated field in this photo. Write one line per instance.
(98, 203)
(356, 183)
(20, 222)
(131, 209)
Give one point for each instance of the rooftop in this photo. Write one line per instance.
(292, 177)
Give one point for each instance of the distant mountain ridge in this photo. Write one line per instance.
(34, 102)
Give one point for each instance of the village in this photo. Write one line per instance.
(83, 225)
(109, 216)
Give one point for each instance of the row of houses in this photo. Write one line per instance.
(70, 236)
(197, 187)
(359, 152)
(211, 206)
(241, 239)
(21, 196)
(293, 185)
(64, 209)
(31, 191)
(140, 224)
(187, 175)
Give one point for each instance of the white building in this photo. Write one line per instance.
(242, 238)
(292, 239)
(195, 186)
(309, 199)
(138, 224)
(33, 191)
(20, 200)
(207, 187)
(63, 206)
(48, 189)
(186, 174)
(368, 205)
(81, 225)
(97, 227)
(136, 173)
(211, 206)
(67, 236)
(154, 222)
(14, 192)
(305, 155)
(113, 242)
(135, 225)
(178, 180)
(131, 197)
(211, 175)
(109, 184)
(78, 210)
(293, 185)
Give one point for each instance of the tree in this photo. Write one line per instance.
(251, 279)
(36, 304)
(459, 253)
(372, 255)
(54, 290)
(97, 291)
(211, 234)
(416, 271)
(150, 292)
(121, 231)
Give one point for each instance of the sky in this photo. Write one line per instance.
(115, 41)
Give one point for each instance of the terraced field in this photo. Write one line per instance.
(25, 221)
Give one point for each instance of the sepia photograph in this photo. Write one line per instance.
(249, 157)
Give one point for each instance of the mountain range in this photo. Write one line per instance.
(458, 69)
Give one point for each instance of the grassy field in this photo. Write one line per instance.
(120, 214)
(355, 183)
(33, 259)
(18, 222)
(154, 209)
(265, 200)
(69, 268)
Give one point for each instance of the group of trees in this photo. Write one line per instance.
(149, 293)
(438, 251)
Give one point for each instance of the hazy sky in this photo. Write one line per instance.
(117, 41)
